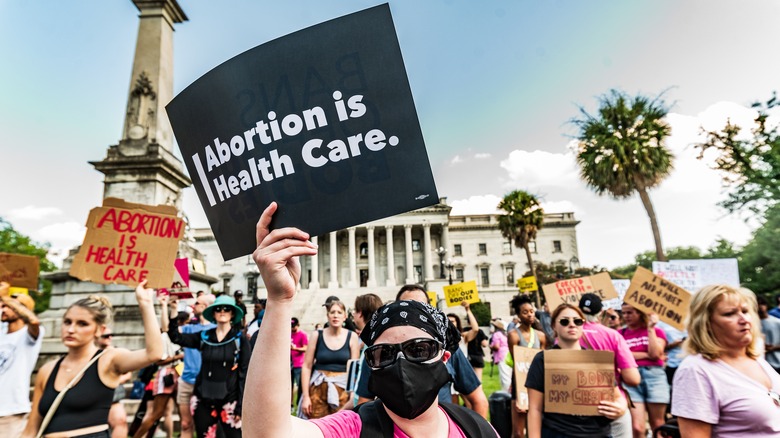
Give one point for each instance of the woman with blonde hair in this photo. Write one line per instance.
(83, 410)
(724, 388)
(324, 371)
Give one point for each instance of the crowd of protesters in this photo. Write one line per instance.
(398, 368)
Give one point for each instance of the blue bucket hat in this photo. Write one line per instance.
(224, 300)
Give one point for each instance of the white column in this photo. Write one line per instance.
(445, 238)
(352, 258)
(390, 259)
(371, 259)
(409, 259)
(334, 279)
(314, 281)
(428, 268)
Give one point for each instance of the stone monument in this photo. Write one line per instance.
(140, 169)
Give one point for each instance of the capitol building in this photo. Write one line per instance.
(429, 246)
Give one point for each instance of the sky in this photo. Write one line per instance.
(496, 84)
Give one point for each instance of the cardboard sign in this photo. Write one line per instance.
(432, 298)
(653, 294)
(527, 284)
(575, 381)
(127, 243)
(19, 270)
(693, 275)
(570, 291)
(523, 356)
(457, 293)
(621, 286)
(321, 121)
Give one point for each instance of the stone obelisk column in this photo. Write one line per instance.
(141, 168)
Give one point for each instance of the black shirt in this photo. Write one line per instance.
(585, 426)
(474, 346)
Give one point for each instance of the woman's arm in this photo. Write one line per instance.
(268, 406)
(34, 420)
(306, 368)
(123, 360)
(354, 346)
(655, 344)
(694, 428)
(474, 327)
(542, 339)
(535, 409)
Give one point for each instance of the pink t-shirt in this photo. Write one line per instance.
(638, 342)
(606, 339)
(299, 339)
(733, 403)
(499, 340)
(347, 424)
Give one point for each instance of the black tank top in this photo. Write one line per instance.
(331, 360)
(85, 405)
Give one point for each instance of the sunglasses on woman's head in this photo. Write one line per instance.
(223, 309)
(414, 350)
(565, 321)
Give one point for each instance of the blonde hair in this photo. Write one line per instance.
(98, 306)
(700, 337)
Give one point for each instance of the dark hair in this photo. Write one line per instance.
(761, 301)
(409, 287)
(457, 321)
(182, 318)
(367, 305)
(518, 302)
(777, 299)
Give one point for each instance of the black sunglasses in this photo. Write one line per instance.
(414, 350)
(109, 336)
(223, 309)
(565, 321)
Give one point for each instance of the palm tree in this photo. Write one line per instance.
(524, 217)
(622, 151)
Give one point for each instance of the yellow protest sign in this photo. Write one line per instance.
(527, 284)
(432, 298)
(455, 294)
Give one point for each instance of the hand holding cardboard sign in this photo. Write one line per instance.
(144, 295)
(5, 289)
(277, 255)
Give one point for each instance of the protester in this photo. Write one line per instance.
(613, 318)
(299, 342)
(219, 387)
(84, 408)
(365, 306)
(770, 328)
(19, 348)
(324, 371)
(192, 363)
(163, 384)
(117, 416)
(525, 335)
(723, 388)
(545, 321)
(259, 311)
(674, 353)
(499, 347)
(476, 352)
(597, 337)
(775, 311)
(239, 297)
(468, 335)
(647, 343)
(462, 375)
(407, 334)
(567, 322)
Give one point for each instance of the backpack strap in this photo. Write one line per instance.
(374, 420)
(471, 423)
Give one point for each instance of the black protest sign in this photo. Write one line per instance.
(321, 121)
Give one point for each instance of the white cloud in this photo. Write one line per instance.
(540, 169)
(32, 212)
(62, 234)
(482, 156)
(479, 204)
(456, 159)
(563, 207)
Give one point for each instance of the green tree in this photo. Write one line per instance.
(750, 164)
(759, 267)
(14, 242)
(621, 150)
(523, 219)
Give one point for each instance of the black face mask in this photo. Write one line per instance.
(407, 388)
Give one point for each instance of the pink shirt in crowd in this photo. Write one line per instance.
(299, 339)
(638, 342)
(734, 404)
(347, 424)
(499, 340)
(606, 339)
